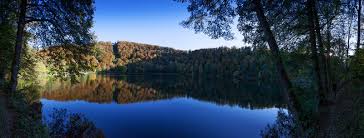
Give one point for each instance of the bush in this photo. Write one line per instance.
(357, 64)
(114, 70)
(63, 124)
(121, 69)
(28, 122)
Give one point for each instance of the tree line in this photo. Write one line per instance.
(136, 58)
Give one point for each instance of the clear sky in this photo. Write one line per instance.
(152, 22)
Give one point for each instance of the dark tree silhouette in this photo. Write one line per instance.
(312, 38)
(215, 17)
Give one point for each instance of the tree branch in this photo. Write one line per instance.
(55, 25)
(35, 5)
(31, 19)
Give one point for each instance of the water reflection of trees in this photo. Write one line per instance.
(144, 88)
(222, 91)
(129, 93)
(101, 90)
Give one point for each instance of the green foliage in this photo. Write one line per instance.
(299, 66)
(7, 35)
(47, 23)
(358, 126)
(64, 26)
(29, 59)
(357, 64)
(26, 105)
(216, 25)
(289, 124)
(69, 61)
(29, 121)
(285, 25)
(28, 63)
(283, 126)
(61, 22)
(121, 69)
(240, 63)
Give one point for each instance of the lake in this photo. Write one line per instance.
(168, 106)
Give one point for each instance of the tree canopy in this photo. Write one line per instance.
(48, 23)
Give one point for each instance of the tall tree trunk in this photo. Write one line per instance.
(272, 43)
(317, 66)
(323, 98)
(359, 17)
(273, 46)
(312, 39)
(328, 60)
(18, 45)
(293, 104)
(2, 76)
(348, 47)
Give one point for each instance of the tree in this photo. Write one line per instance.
(359, 24)
(312, 38)
(7, 33)
(52, 22)
(215, 17)
(321, 47)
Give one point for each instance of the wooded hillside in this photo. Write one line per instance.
(135, 58)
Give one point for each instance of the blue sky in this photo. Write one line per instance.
(152, 22)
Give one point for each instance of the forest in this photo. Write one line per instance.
(135, 58)
(312, 48)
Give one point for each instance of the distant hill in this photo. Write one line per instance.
(115, 57)
(125, 57)
(137, 58)
(130, 52)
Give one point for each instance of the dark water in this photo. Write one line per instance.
(170, 107)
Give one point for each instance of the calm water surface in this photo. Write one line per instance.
(164, 107)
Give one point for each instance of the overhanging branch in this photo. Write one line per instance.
(55, 25)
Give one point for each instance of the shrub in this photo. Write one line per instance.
(121, 69)
(28, 122)
(357, 64)
(63, 124)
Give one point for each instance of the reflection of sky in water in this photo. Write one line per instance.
(177, 117)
